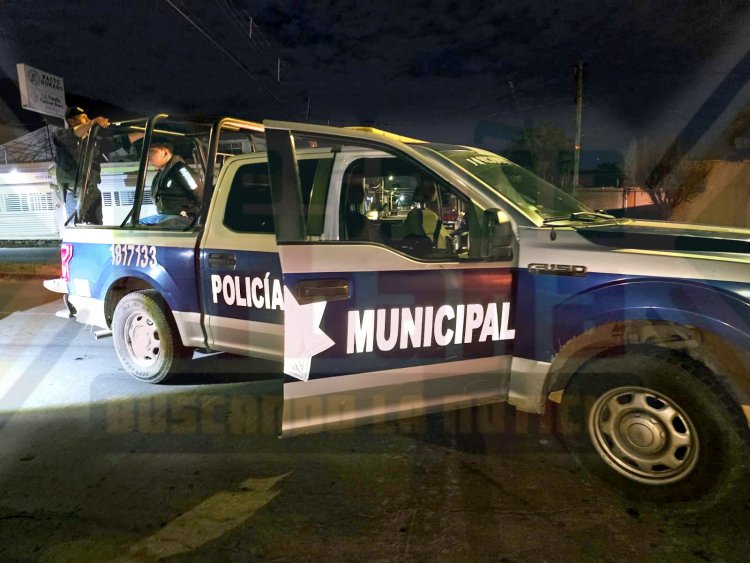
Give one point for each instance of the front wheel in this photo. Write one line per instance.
(146, 340)
(654, 424)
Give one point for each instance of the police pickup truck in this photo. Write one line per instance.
(392, 276)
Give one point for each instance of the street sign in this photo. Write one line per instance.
(41, 91)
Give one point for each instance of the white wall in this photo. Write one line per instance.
(31, 206)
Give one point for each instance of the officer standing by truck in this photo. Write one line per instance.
(68, 147)
(175, 190)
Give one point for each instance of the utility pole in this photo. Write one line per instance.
(524, 132)
(579, 111)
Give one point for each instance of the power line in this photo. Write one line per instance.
(223, 50)
(235, 18)
(202, 27)
(262, 34)
(259, 32)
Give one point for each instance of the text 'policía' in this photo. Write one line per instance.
(243, 291)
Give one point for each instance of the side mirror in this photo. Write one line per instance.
(498, 242)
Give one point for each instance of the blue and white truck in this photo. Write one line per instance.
(392, 277)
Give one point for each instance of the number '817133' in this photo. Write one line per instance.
(138, 255)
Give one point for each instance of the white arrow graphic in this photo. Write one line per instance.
(303, 337)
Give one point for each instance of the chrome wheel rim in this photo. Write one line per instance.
(643, 435)
(142, 339)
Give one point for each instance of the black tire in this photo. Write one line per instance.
(656, 425)
(146, 339)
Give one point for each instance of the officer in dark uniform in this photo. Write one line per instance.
(175, 190)
(68, 144)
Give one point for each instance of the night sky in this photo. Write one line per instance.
(440, 70)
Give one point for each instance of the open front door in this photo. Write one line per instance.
(380, 321)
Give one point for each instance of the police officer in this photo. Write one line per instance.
(176, 192)
(68, 144)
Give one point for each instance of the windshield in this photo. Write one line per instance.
(528, 191)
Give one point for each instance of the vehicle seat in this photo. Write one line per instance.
(420, 226)
(426, 195)
(358, 227)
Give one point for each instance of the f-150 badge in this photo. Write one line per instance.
(557, 269)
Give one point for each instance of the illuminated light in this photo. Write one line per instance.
(401, 198)
(390, 178)
(66, 254)
(14, 175)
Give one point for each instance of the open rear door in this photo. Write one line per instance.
(371, 333)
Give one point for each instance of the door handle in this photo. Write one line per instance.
(222, 261)
(311, 291)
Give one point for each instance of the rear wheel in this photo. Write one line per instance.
(656, 425)
(146, 340)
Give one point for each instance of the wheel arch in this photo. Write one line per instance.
(728, 362)
(119, 289)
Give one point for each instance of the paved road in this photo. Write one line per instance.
(97, 467)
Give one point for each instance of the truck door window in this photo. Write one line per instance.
(397, 203)
(249, 208)
(382, 198)
(249, 204)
